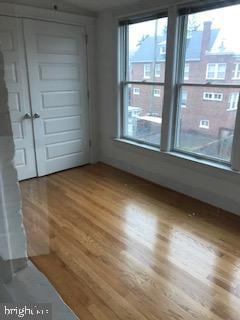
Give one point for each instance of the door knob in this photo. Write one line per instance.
(36, 116)
(27, 116)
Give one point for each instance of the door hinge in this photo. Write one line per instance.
(90, 143)
(88, 94)
(86, 38)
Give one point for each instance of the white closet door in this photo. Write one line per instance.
(56, 57)
(12, 47)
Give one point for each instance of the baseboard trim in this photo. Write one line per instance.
(196, 193)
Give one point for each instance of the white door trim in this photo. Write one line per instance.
(86, 22)
(62, 128)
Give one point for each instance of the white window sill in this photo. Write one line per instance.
(187, 160)
(215, 79)
(216, 100)
(235, 109)
(137, 144)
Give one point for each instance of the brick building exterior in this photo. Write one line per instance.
(207, 113)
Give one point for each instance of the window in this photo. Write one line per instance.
(141, 44)
(156, 92)
(233, 101)
(163, 49)
(184, 99)
(157, 70)
(216, 71)
(147, 71)
(212, 96)
(204, 124)
(236, 71)
(198, 128)
(186, 71)
(203, 82)
(136, 91)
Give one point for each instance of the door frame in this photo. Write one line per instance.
(88, 24)
(35, 57)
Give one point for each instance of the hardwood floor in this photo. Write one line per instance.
(118, 247)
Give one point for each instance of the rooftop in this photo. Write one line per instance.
(146, 50)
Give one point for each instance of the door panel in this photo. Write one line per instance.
(11, 39)
(57, 71)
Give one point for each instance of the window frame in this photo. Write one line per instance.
(171, 100)
(204, 126)
(233, 101)
(138, 91)
(124, 81)
(236, 71)
(163, 49)
(213, 94)
(216, 71)
(180, 83)
(145, 71)
(184, 105)
(186, 74)
(157, 95)
(157, 73)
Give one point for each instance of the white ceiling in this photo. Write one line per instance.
(99, 5)
(90, 5)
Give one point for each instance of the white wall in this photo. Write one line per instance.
(48, 4)
(212, 185)
(12, 236)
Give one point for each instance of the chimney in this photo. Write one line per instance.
(206, 36)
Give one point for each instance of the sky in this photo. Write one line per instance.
(226, 19)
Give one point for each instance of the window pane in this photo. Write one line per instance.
(143, 113)
(213, 46)
(206, 122)
(236, 71)
(147, 50)
(207, 114)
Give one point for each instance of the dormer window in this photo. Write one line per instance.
(147, 71)
(157, 70)
(163, 49)
(236, 71)
(216, 71)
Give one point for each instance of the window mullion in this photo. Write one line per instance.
(170, 76)
(235, 159)
(123, 76)
(148, 83)
(209, 85)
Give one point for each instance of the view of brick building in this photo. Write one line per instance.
(207, 114)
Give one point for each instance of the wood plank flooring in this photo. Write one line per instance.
(118, 247)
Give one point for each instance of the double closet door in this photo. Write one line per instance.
(45, 74)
